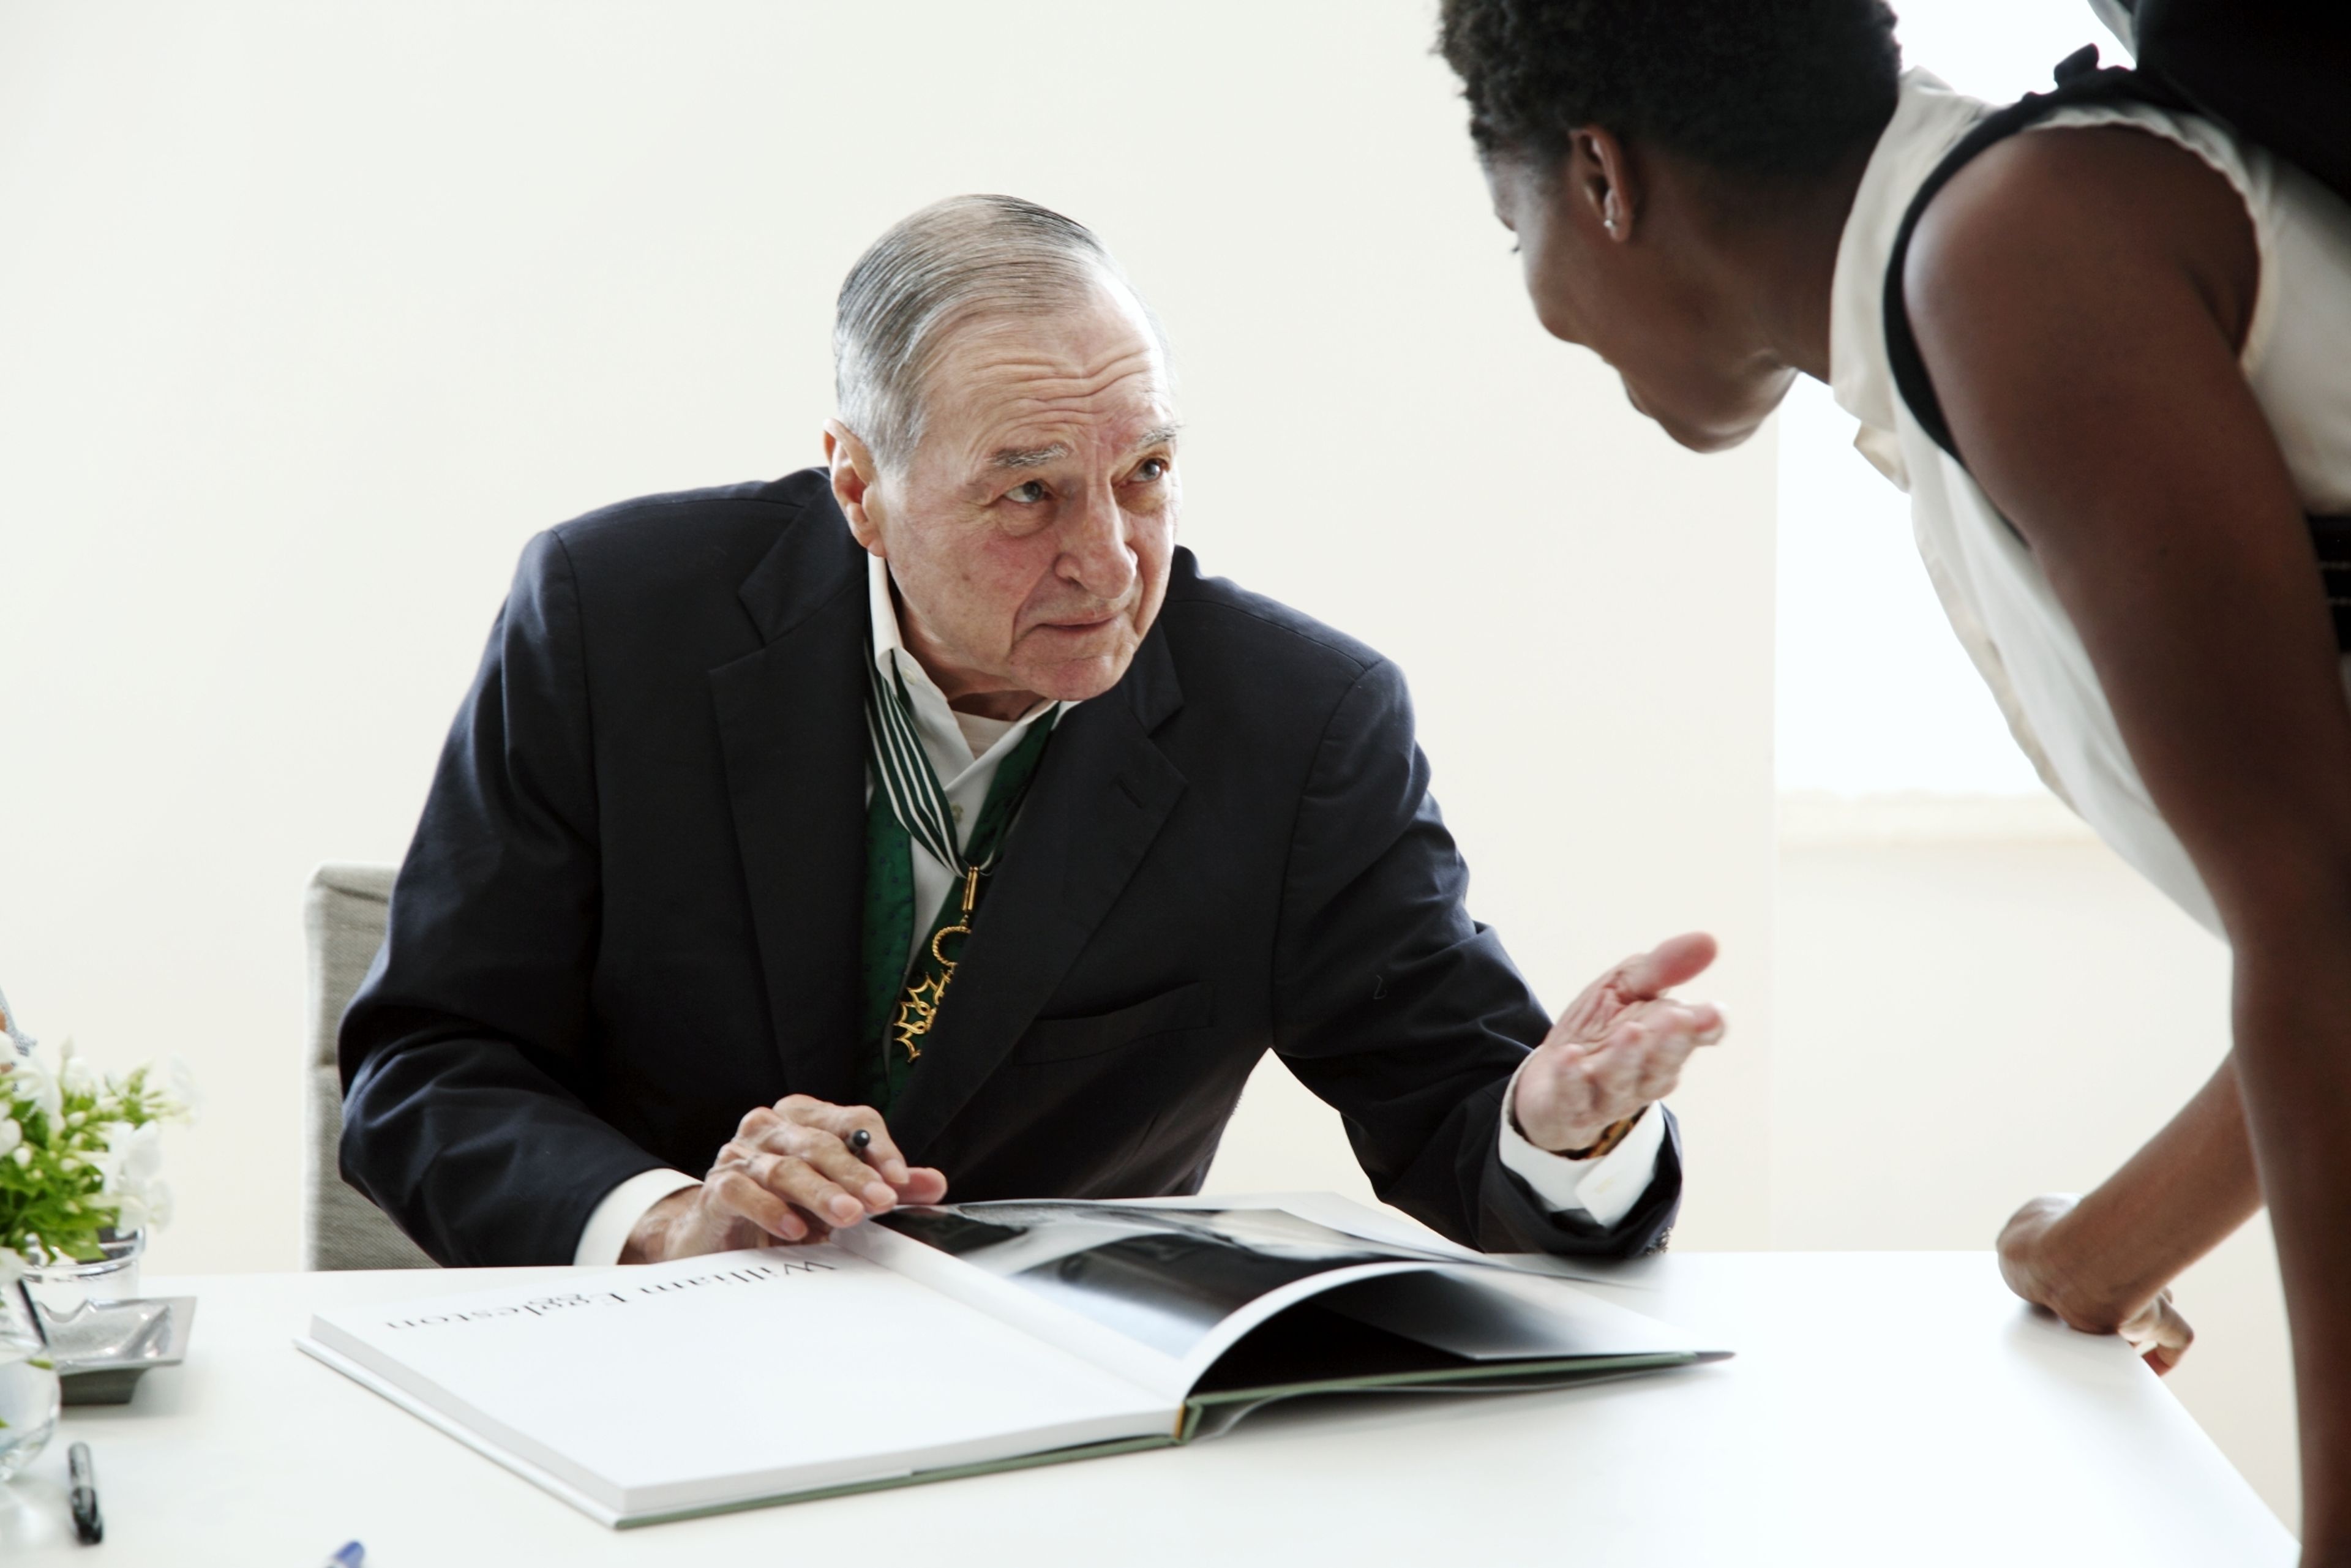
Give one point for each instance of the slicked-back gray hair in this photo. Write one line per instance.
(938, 269)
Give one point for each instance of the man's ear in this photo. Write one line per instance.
(854, 475)
(1603, 187)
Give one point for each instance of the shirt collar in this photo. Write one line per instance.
(945, 736)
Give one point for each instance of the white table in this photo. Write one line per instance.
(1884, 1409)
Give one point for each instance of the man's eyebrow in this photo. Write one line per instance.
(1038, 456)
(1027, 456)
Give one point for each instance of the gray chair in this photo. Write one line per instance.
(343, 916)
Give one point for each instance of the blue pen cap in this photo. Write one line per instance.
(351, 1555)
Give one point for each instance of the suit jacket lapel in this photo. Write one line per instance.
(791, 725)
(1099, 799)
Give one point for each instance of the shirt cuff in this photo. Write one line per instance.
(1607, 1188)
(608, 1229)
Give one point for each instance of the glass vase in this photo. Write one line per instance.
(65, 1289)
(28, 1379)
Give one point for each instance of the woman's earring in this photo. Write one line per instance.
(1610, 223)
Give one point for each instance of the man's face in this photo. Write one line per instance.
(1031, 534)
(1644, 306)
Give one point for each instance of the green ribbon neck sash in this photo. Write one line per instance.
(909, 806)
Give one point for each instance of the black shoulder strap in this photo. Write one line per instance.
(2079, 82)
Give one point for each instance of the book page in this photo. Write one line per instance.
(1493, 1315)
(739, 1375)
(1343, 1214)
(1154, 1293)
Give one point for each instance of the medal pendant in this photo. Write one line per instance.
(919, 1010)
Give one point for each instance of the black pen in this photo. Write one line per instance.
(84, 1495)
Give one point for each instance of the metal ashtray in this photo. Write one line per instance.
(102, 1348)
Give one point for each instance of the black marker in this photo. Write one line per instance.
(84, 1496)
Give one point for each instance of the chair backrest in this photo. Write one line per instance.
(343, 916)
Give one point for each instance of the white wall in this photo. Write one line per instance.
(1979, 1002)
(313, 315)
(1875, 695)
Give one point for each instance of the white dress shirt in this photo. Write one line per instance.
(966, 750)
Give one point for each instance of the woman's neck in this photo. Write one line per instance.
(1779, 260)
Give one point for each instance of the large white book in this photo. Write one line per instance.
(940, 1342)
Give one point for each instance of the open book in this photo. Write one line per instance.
(941, 1341)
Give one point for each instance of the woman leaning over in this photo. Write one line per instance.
(2137, 325)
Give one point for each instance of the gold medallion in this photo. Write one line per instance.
(919, 1010)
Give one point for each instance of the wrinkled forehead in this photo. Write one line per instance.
(1081, 383)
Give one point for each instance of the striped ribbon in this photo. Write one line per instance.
(903, 768)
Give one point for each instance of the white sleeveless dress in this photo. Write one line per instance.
(2297, 360)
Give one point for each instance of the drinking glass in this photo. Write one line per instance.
(29, 1380)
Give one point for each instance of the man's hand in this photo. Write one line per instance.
(2036, 1263)
(788, 1175)
(1618, 1049)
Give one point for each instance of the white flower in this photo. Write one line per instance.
(75, 1074)
(181, 1101)
(131, 1174)
(155, 1207)
(164, 1091)
(132, 1154)
(32, 1079)
(11, 1134)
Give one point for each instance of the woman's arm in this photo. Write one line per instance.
(2080, 298)
(2102, 1263)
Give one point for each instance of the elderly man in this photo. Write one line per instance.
(934, 821)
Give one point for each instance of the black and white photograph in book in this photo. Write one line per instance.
(1165, 1277)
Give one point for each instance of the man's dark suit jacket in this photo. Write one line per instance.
(632, 910)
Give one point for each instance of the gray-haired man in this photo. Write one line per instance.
(938, 798)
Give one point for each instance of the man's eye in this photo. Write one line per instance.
(1026, 494)
(1151, 468)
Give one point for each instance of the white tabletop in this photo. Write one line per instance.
(1883, 1408)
